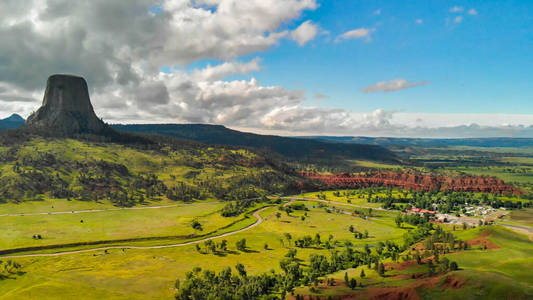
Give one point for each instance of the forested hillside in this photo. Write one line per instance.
(295, 148)
(38, 168)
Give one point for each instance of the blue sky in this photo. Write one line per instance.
(482, 64)
(380, 68)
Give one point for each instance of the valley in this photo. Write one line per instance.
(89, 212)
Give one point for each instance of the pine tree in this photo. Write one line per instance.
(346, 280)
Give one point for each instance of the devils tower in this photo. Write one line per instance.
(66, 109)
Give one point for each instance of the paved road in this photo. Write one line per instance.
(256, 215)
(104, 209)
(528, 229)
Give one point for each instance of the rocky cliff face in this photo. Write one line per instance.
(66, 109)
(418, 182)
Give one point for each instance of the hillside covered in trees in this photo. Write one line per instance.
(294, 148)
(36, 168)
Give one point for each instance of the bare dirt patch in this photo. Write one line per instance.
(451, 282)
(402, 265)
(482, 242)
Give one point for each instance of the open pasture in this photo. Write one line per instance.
(150, 274)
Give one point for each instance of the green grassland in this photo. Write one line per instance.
(356, 197)
(377, 165)
(495, 273)
(501, 273)
(110, 225)
(511, 164)
(149, 274)
(517, 150)
(507, 174)
(524, 216)
(200, 178)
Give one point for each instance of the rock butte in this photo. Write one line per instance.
(66, 109)
(417, 182)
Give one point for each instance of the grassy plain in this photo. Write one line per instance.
(149, 274)
(499, 273)
(110, 225)
(524, 216)
(354, 197)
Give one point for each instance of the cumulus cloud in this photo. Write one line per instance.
(392, 85)
(355, 34)
(118, 41)
(472, 12)
(457, 9)
(458, 19)
(304, 33)
(120, 46)
(226, 69)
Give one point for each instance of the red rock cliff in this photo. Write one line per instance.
(418, 182)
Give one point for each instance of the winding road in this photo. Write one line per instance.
(256, 215)
(104, 209)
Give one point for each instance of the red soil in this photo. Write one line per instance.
(417, 182)
(408, 292)
(483, 242)
(401, 266)
(393, 293)
(451, 282)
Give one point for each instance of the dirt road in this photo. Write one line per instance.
(256, 215)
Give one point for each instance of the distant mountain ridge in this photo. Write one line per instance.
(427, 142)
(12, 122)
(286, 146)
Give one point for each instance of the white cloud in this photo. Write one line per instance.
(472, 12)
(377, 12)
(304, 33)
(457, 9)
(120, 41)
(419, 21)
(355, 34)
(120, 46)
(458, 19)
(392, 85)
(226, 69)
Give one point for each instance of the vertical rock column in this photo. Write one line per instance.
(66, 109)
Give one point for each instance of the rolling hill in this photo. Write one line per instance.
(289, 147)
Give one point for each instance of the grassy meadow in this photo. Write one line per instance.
(149, 274)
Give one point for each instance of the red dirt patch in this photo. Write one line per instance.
(484, 234)
(481, 241)
(451, 282)
(401, 266)
(408, 292)
(400, 293)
